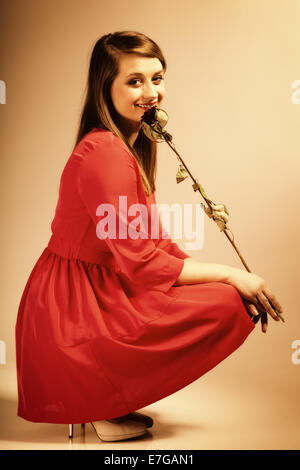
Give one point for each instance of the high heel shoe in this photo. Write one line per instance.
(134, 416)
(71, 428)
(118, 429)
(140, 417)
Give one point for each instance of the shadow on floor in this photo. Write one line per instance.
(14, 428)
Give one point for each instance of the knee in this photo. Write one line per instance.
(230, 299)
(228, 292)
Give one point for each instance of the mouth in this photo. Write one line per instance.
(145, 106)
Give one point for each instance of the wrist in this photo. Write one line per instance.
(229, 275)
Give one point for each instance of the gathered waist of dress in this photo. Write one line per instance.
(82, 252)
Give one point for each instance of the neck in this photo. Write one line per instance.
(130, 129)
(132, 137)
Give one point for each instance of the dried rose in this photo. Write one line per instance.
(153, 121)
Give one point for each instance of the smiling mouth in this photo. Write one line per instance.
(145, 106)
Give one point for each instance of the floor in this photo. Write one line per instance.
(214, 412)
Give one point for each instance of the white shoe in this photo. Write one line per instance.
(118, 429)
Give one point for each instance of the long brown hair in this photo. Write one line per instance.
(98, 110)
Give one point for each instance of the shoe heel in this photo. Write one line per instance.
(71, 428)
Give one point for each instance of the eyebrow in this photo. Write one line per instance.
(140, 74)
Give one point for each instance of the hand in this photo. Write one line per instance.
(257, 314)
(254, 289)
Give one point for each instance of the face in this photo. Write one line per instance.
(140, 81)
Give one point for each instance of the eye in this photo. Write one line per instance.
(158, 77)
(132, 82)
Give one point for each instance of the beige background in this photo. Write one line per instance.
(231, 65)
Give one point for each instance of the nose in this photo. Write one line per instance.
(149, 92)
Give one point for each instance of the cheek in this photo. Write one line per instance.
(133, 95)
(161, 90)
(128, 96)
(121, 96)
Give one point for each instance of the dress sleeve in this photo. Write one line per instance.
(107, 174)
(167, 244)
(172, 248)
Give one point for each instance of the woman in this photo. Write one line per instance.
(109, 325)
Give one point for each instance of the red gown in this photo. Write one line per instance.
(102, 328)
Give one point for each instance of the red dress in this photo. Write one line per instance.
(102, 328)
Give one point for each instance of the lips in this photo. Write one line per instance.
(146, 104)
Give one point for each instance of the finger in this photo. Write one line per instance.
(254, 312)
(264, 322)
(256, 318)
(265, 303)
(252, 309)
(272, 299)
